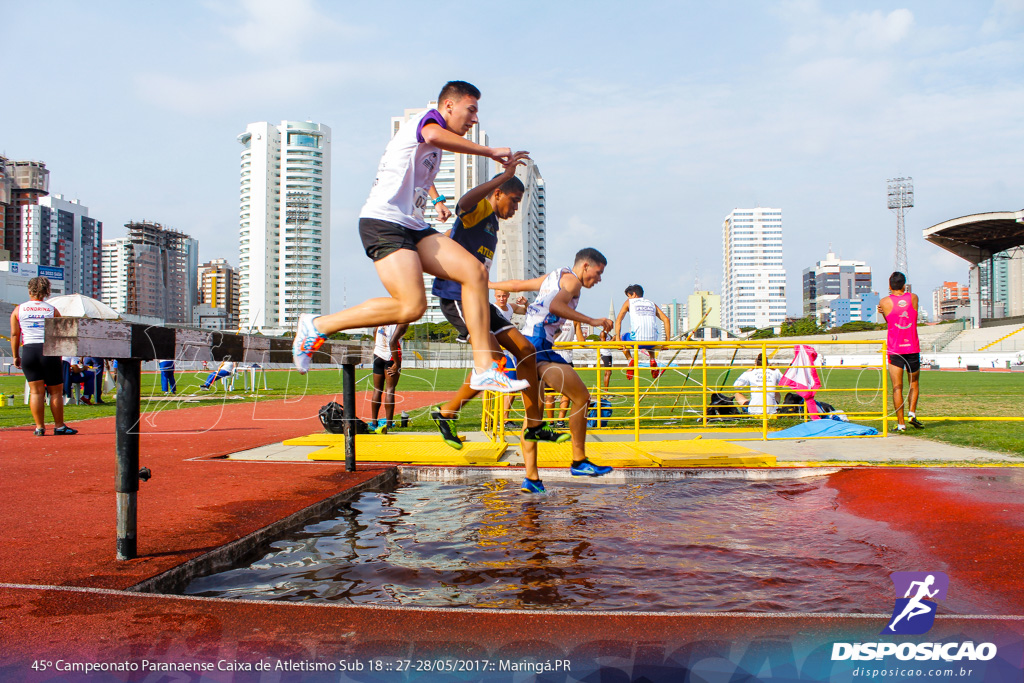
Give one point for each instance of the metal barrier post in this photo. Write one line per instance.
(704, 385)
(636, 392)
(129, 397)
(885, 390)
(348, 397)
(764, 391)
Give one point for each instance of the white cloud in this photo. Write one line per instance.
(822, 33)
(282, 28)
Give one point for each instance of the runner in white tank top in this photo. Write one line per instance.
(558, 293)
(392, 223)
(643, 317)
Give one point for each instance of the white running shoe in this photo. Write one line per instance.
(307, 341)
(495, 380)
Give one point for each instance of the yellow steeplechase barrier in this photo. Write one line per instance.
(427, 450)
(691, 386)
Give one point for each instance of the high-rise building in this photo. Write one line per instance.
(753, 278)
(676, 314)
(996, 292)
(218, 291)
(457, 173)
(521, 253)
(28, 182)
(6, 184)
(152, 273)
(284, 229)
(833, 278)
(950, 300)
(59, 232)
(706, 306)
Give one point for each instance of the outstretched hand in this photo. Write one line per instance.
(606, 323)
(514, 161)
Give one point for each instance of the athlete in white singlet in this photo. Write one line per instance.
(643, 318)
(387, 368)
(558, 293)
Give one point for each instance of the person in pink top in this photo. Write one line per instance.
(904, 348)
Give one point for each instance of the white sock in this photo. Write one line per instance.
(911, 414)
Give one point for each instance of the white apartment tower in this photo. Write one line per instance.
(57, 231)
(457, 173)
(284, 228)
(521, 253)
(753, 279)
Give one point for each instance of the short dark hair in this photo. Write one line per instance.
(456, 90)
(897, 281)
(592, 255)
(511, 185)
(39, 287)
(635, 289)
(760, 359)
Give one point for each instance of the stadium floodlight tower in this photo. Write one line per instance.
(901, 197)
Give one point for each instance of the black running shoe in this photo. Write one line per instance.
(64, 431)
(544, 433)
(445, 426)
(40, 431)
(916, 423)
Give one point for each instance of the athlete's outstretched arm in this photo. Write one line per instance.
(434, 134)
(518, 285)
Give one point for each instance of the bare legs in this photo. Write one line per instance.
(37, 403)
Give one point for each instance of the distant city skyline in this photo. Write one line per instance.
(700, 109)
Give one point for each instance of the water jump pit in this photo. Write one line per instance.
(663, 574)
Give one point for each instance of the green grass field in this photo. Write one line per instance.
(666, 406)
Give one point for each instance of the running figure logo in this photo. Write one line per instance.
(914, 613)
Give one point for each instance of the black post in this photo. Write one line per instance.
(127, 474)
(348, 398)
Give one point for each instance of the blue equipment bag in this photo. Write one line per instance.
(606, 412)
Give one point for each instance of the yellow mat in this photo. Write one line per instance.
(429, 451)
(339, 439)
(686, 453)
(615, 454)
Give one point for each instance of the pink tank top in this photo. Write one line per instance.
(901, 333)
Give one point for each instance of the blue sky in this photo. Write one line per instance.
(650, 121)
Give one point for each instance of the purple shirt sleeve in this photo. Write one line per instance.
(432, 116)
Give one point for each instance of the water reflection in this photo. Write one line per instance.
(686, 545)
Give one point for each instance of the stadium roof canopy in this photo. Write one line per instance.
(977, 237)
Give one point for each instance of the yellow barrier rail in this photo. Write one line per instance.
(684, 392)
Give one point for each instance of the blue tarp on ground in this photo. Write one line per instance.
(824, 428)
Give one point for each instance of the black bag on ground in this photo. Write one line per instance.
(793, 404)
(332, 417)
(722, 405)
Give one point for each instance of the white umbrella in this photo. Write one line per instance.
(80, 306)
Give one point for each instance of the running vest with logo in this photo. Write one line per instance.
(405, 174)
(32, 317)
(541, 323)
(382, 342)
(643, 319)
(477, 232)
(901, 330)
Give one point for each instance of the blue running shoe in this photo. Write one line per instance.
(585, 468)
(533, 486)
(371, 425)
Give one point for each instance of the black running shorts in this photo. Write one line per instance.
(452, 310)
(909, 361)
(380, 365)
(383, 238)
(37, 367)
